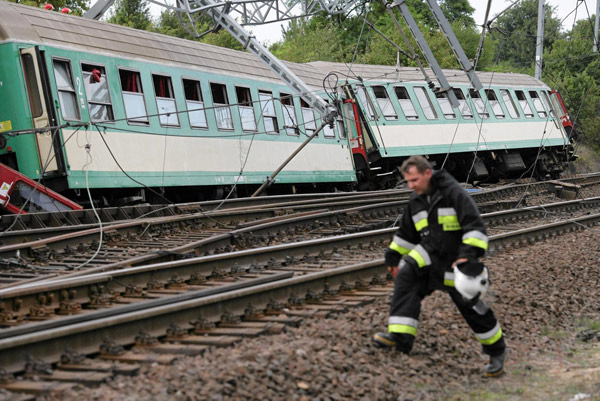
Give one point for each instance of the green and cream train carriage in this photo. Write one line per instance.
(170, 113)
(514, 125)
(89, 104)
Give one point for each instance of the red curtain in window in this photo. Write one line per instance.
(129, 81)
(161, 86)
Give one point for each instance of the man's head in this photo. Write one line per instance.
(417, 172)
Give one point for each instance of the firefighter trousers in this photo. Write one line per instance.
(412, 284)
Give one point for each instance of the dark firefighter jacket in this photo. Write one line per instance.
(440, 227)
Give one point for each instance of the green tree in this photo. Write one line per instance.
(168, 23)
(572, 68)
(516, 30)
(458, 12)
(132, 13)
(348, 38)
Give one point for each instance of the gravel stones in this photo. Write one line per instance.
(537, 292)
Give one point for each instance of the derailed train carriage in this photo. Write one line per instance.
(89, 105)
(515, 126)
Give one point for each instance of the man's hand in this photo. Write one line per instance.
(392, 258)
(393, 270)
(459, 261)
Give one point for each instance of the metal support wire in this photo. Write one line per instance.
(271, 178)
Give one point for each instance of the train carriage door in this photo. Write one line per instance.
(41, 112)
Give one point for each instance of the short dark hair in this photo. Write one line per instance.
(421, 163)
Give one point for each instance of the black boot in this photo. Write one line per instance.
(496, 366)
(391, 340)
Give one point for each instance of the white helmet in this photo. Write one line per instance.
(471, 280)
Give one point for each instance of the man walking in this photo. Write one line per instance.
(440, 239)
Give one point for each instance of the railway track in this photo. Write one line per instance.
(171, 237)
(162, 329)
(68, 295)
(183, 236)
(31, 226)
(50, 223)
(260, 291)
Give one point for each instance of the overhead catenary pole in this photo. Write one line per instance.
(459, 53)
(539, 45)
(596, 26)
(482, 37)
(425, 50)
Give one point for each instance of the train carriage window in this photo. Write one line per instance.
(35, 101)
(537, 104)
(365, 100)
(408, 108)
(246, 108)
(66, 90)
(445, 105)
(547, 103)
(267, 107)
(494, 103)
(463, 105)
(522, 99)
(479, 104)
(308, 115)
(328, 132)
(510, 103)
(384, 102)
(133, 97)
(425, 102)
(341, 129)
(97, 93)
(221, 103)
(195, 103)
(290, 121)
(165, 100)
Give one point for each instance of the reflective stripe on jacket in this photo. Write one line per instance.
(444, 223)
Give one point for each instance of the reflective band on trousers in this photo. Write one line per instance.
(401, 246)
(420, 220)
(420, 255)
(449, 279)
(491, 336)
(403, 325)
(476, 239)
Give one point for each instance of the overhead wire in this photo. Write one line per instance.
(88, 161)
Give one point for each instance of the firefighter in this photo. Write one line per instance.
(439, 240)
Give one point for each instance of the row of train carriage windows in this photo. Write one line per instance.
(101, 107)
(541, 105)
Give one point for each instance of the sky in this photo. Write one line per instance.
(271, 33)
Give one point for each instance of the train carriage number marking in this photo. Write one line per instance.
(5, 125)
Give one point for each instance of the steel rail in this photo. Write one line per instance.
(83, 288)
(86, 336)
(123, 328)
(86, 217)
(18, 300)
(239, 216)
(224, 239)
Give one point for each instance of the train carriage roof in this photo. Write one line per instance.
(35, 25)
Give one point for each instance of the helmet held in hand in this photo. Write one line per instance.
(471, 280)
